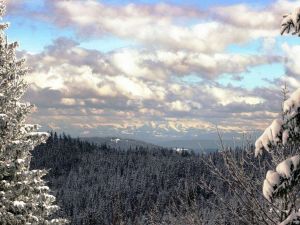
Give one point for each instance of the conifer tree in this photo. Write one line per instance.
(24, 196)
(281, 139)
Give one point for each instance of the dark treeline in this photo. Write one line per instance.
(100, 185)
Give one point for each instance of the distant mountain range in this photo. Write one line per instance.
(195, 145)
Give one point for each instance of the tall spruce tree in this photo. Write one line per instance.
(281, 140)
(24, 196)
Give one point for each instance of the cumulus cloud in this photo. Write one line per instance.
(243, 15)
(227, 96)
(292, 55)
(167, 26)
(255, 17)
(291, 77)
(140, 90)
(162, 64)
(89, 89)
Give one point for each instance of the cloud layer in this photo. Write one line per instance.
(168, 84)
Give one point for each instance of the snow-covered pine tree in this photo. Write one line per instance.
(24, 196)
(282, 139)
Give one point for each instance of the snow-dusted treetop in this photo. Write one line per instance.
(291, 22)
(278, 132)
(270, 136)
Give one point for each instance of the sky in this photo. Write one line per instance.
(154, 70)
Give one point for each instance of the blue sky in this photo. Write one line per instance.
(152, 69)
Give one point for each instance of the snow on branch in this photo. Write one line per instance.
(272, 135)
(38, 136)
(291, 22)
(292, 104)
(278, 182)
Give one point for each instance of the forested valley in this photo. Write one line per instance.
(101, 185)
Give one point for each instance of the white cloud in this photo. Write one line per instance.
(88, 90)
(243, 15)
(291, 82)
(269, 44)
(160, 64)
(258, 18)
(227, 96)
(292, 59)
(179, 106)
(133, 88)
(140, 90)
(157, 25)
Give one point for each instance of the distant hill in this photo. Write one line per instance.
(119, 143)
(196, 145)
(199, 145)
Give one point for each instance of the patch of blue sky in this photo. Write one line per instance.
(107, 44)
(256, 46)
(35, 5)
(291, 40)
(252, 47)
(34, 35)
(258, 76)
